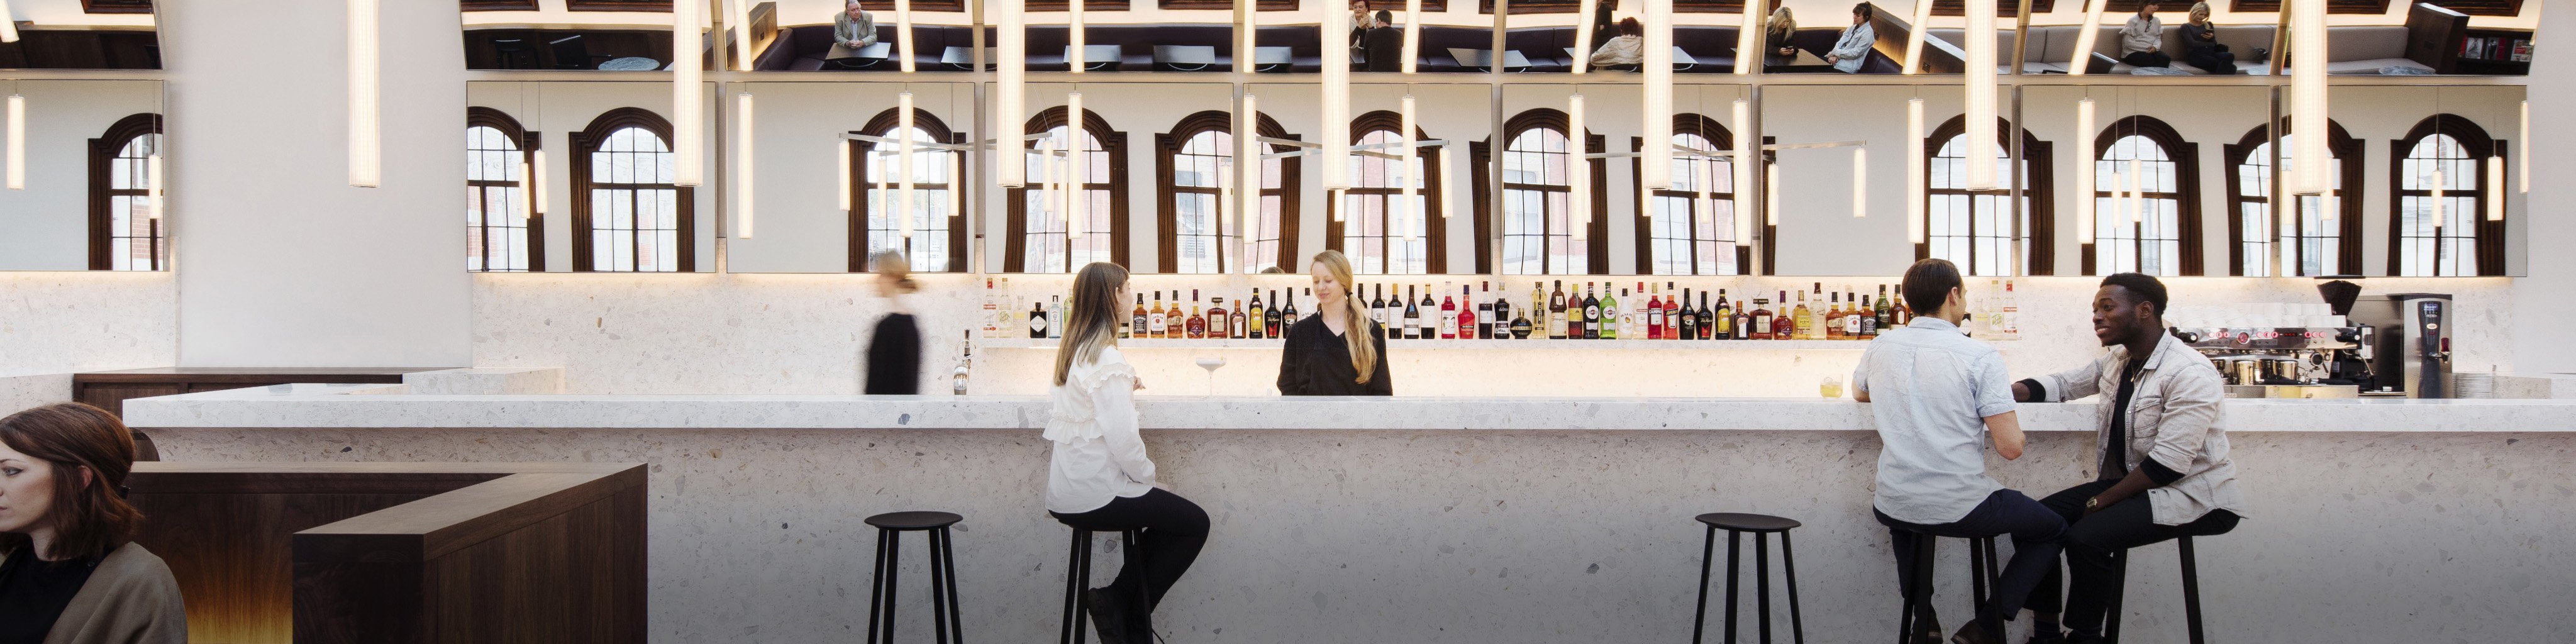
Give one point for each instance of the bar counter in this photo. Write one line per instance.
(1545, 520)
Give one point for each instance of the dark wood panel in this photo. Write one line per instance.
(112, 396)
(531, 578)
(231, 553)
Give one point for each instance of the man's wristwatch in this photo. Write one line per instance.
(2093, 504)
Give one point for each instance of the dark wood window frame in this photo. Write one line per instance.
(585, 143)
(2347, 217)
(497, 5)
(1167, 145)
(116, 6)
(2185, 156)
(1435, 237)
(1016, 201)
(2478, 145)
(2333, 7)
(1720, 139)
(1281, 5)
(528, 143)
(863, 158)
(1597, 248)
(102, 154)
(2012, 8)
(640, 6)
(1529, 7)
(1087, 5)
(2039, 190)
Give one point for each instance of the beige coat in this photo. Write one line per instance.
(2176, 416)
(130, 599)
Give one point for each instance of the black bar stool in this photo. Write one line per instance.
(2190, 593)
(1761, 525)
(1984, 572)
(1078, 573)
(943, 574)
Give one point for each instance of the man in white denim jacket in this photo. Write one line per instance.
(2162, 433)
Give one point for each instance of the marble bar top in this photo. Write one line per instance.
(390, 406)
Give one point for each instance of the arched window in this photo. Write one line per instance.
(627, 215)
(2318, 239)
(1975, 228)
(501, 232)
(2462, 241)
(1038, 241)
(938, 239)
(1196, 157)
(1539, 234)
(1686, 234)
(1380, 232)
(123, 233)
(2158, 231)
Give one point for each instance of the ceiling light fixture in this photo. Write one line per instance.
(17, 139)
(1744, 161)
(1915, 194)
(1404, 165)
(1981, 95)
(2084, 176)
(1578, 178)
(904, 149)
(1860, 182)
(2495, 188)
(1077, 163)
(2308, 111)
(688, 96)
(366, 93)
(1010, 95)
(1074, 40)
(1656, 171)
(1413, 34)
(2085, 36)
(1336, 103)
(1748, 37)
(744, 134)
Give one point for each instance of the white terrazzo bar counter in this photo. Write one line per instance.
(2372, 520)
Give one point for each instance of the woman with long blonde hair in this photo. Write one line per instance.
(894, 347)
(1338, 351)
(1099, 478)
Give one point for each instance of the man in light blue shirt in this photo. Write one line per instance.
(1937, 396)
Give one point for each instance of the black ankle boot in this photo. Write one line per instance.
(1110, 616)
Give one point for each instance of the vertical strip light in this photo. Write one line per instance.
(1578, 170)
(1860, 182)
(152, 179)
(537, 187)
(1010, 95)
(1981, 94)
(2495, 188)
(956, 184)
(1744, 161)
(527, 192)
(2137, 191)
(902, 31)
(1707, 180)
(366, 92)
(2523, 172)
(17, 138)
(1914, 36)
(1248, 38)
(1077, 164)
(2084, 174)
(8, 25)
(1074, 56)
(1248, 168)
(841, 150)
(1656, 171)
(1770, 195)
(1448, 184)
(1413, 36)
(904, 148)
(744, 133)
(1915, 194)
(739, 18)
(1748, 37)
(1337, 102)
(1583, 36)
(1412, 178)
(2440, 184)
(2308, 116)
(1048, 189)
(688, 96)
(2091, 31)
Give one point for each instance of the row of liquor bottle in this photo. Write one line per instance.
(1419, 312)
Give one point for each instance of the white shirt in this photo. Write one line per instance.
(2141, 33)
(1099, 453)
(1930, 389)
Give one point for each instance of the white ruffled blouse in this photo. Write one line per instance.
(1099, 453)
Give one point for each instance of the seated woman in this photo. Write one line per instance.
(1625, 51)
(2200, 44)
(68, 572)
(1852, 48)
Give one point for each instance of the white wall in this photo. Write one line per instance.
(46, 226)
(286, 265)
(2541, 301)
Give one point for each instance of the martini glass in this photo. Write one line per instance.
(1211, 364)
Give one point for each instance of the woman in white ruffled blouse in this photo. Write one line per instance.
(1099, 478)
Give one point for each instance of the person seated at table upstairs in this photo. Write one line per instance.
(70, 572)
(2200, 43)
(1852, 48)
(1628, 50)
(1780, 31)
(2142, 39)
(1383, 45)
(853, 29)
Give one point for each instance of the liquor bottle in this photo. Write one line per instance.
(1448, 315)
(1136, 327)
(1616, 322)
(1234, 327)
(1833, 325)
(1742, 321)
(1653, 312)
(1556, 316)
(1288, 311)
(1037, 320)
(1868, 317)
(993, 310)
(1055, 316)
(1760, 327)
(1884, 310)
(965, 360)
(1581, 311)
(1521, 323)
(1252, 316)
(1430, 316)
(1783, 325)
(1851, 318)
(1689, 319)
(1270, 326)
(1904, 312)
(1376, 308)
(1217, 320)
(1484, 312)
(1197, 326)
(1706, 330)
(1464, 328)
(1154, 319)
(1412, 316)
(1723, 318)
(1801, 320)
(1673, 312)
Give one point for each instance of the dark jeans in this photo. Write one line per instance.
(2216, 61)
(2147, 59)
(2092, 541)
(2035, 532)
(1172, 527)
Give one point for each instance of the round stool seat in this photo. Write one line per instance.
(920, 520)
(1742, 522)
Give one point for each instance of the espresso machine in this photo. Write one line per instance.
(2286, 350)
(2409, 343)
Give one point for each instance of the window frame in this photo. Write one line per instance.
(1596, 250)
(1435, 236)
(1016, 202)
(2038, 189)
(528, 143)
(1719, 139)
(2349, 206)
(862, 157)
(586, 143)
(2474, 141)
(102, 196)
(2185, 155)
(1168, 145)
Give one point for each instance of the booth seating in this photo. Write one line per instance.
(804, 47)
(2356, 49)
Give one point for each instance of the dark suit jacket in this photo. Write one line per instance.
(1384, 47)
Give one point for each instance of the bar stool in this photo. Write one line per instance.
(1761, 525)
(2190, 593)
(1983, 574)
(943, 573)
(1078, 573)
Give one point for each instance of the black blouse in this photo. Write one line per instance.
(1316, 362)
(894, 356)
(34, 593)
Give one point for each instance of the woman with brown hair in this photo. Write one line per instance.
(1099, 478)
(1338, 351)
(69, 573)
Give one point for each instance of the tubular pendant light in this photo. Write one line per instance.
(1412, 182)
(152, 179)
(1247, 169)
(902, 31)
(842, 150)
(1771, 195)
(1914, 36)
(905, 228)
(1248, 37)
(537, 188)
(2137, 191)
(527, 197)
(1744, 162)
(1656, 169)
(742, 164)
(1224, 201)
(688, 96)
(739, 18)
(1981, 94)
(2085, 36)
(904, 150)
(1077, 164)
(956, 184)
(1748, 37)
(1707, 195)
(2308, 115)
(366, 93)
(2522, 173)
(1336, 103)
(1578, 175)
(1860, 182)
(2495, 188)
(2439, 184)
(1010, 94)
(1915, 194)
(1413, 35)
(1583, 36)
(1047, 188)
(17, 138)
(8, 25)
(1074, 56)
(2084, 175)
(1448, 186)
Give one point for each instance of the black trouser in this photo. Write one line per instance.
(2147, 59)
(2217, 61)
(2035, 532)
(1171, 531)
(2091, 542)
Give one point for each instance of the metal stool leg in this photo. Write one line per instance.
(1989, 582)
(948, 562)
(1762, 584)
(1915, 597)
(1734, 554)
(894, 547)
(938, 592)
(876, 586)
(1789, 566)
(2190, 589)
(1707, 559)
(1077, 572)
